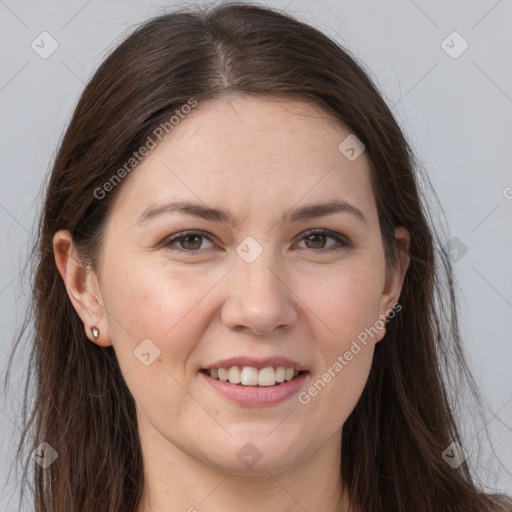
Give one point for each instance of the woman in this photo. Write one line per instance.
(239, 296)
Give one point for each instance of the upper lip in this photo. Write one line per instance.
(257, 363)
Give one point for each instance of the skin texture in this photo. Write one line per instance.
(257, 158)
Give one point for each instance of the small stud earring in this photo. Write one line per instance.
(95, 332)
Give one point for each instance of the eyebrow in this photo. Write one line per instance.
(310, 211)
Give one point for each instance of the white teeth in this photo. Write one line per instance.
(234, 375)
(280, 374)
(267, 376)
(251, 376)
(223, 374)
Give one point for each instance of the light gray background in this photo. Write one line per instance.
(456, 113)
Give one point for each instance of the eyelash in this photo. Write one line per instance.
(170, 241)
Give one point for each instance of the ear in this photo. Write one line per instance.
(82, 287)
(394, 278)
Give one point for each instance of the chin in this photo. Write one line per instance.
(256, 452)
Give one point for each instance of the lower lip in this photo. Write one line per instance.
(257, 395)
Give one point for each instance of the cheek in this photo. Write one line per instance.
(155, 300)
(348, 308)
(161, 310)
(348, 303)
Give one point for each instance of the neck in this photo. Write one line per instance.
(178, 482)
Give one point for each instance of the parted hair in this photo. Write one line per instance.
(393, 441)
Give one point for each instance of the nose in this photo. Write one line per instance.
(259, 299)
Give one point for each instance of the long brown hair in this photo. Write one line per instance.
(393, 440)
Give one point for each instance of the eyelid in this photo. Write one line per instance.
(345, 243)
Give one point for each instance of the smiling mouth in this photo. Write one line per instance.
(252, 376)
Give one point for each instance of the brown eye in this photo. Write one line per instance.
(186, 242)
(192, 242)
(316, 240)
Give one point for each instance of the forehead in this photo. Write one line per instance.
(253, 153)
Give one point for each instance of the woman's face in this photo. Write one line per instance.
(268, 278)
